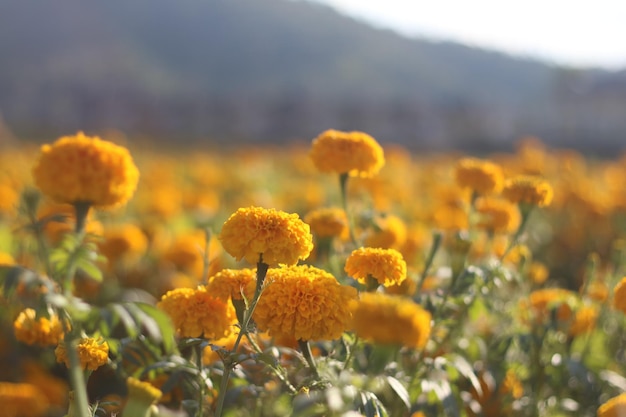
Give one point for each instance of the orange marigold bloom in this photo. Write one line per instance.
(9, 198)
(124, 241)
(498, 215)
(483, 177)
(92, 353)
(86, 169)
(34, 330)
(615, 407)
(538, 273)
(544, 300)
(384, 265)
(598, 291)
(196, 313)
(584, 320)
(328, 222)
(141, 395)
(353, 153)
(529, 190)
(6, 259)
(390, 232)
(231, 283)
(387, 319)
(22, 400)
(305, 303)
(619, 296)
(277, 236)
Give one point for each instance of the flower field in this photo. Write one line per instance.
(335, 278)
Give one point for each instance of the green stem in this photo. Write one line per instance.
(80, 404)
(305, 348)
(206, 258)
(350, 354)
(437, 237)
(343, 186)
(230, 364)
(526, 211)
(198, 353)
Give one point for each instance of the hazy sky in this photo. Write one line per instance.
(570, 32)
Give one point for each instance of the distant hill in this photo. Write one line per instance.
(263, 69)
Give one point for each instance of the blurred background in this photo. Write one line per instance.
(427, 75)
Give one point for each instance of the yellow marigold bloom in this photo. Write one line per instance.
(9, 198)
(232, 283)
(538, 273)
(22, 400)
(328, 222)
(384, 265)
(141, 395)
(387, 319)
(619, 296)
(278, 236)
(34, 330)
(450, 218)
(305, 303)
(125, 241)
(390, 232)
(353, 153)
(584, 320)
(196, 313)
(6, 259)
(541, 302)
(498, 215)
(92, 353)
(210, 356)
(529, 190)
(86, 169)
(53, 388)
(598, 291)
(481, 176)
(186, 252)
(615, 407)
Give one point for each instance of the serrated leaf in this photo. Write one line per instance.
(399, 390)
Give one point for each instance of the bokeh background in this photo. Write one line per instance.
(241, 71)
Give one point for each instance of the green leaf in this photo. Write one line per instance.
(463, 366)
(160, 325)
(399, 390)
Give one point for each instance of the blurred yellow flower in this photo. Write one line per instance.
(86, 169)
(125, 241)
(22, 400)
(619, 296)
(92, 353)
(232, 283)
(328, 222)
(497, 215)
(584, 320)
(353, 153)
(305, 303)
(6, 259)
(543, 301)
(384, 265)
(389, 232)
(538, 273)
(387, 319)
(614, 407)
(529, 190)
(196, 313)
(141, 393)
(8, 199)
(277, 236)
(481, 176)
(34, 330)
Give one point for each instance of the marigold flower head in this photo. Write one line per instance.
(390, 232)
(584, 320)
(353, 153)
(34, 330)
(142, 392)
(92, 353)
(481, 176)
(278, 236)
(498, 215)
(196, 313)
(305, 303)
(614, 407)
(232, 283)
(125, 241)
(543, 301)
(22, 400)
(598, 291)
(387, 319)
(538, 272)
(86, 169)
(9, 198)
(384, 265)
(328, 222)
(6, 259)
(619, 296)
(529, 190)
(450, 218)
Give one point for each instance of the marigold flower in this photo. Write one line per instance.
(543, 301)
(387, 319)
(34, 330)
(196, 313)
(278, 236)
(598, 291)
(390, 232)
(328, 222)
(450, 218)
(538, 273)
(22, 400)
(124, 241)
(305, 303)
(232, 283)
(9, 198)
(614, 407)
(481, 176)
(92, 353)
(141, 396)
(86, 169)
(353, 153)
(6, 259)
(584, 320)
(529, 190)
(384, 265)
(619, 296)
(498, 215)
